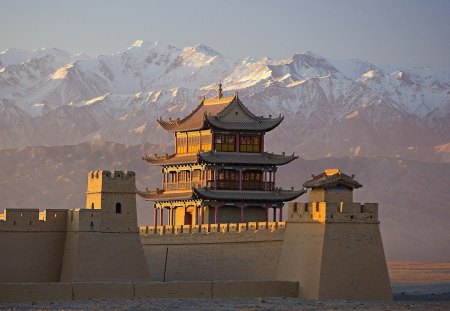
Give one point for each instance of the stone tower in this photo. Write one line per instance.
(102, 241)
(332, 245)
(114, 195)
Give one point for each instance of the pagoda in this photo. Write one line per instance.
(219, 172)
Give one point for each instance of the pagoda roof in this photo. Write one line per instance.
(227, 113)
(260, 196)
(259, 124)
(278, 195)
(196, 119)
(161, 195)
(263, 158)
(216, 157)
(332, 178)
(172, 159)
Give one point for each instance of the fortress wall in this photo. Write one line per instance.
(32, 249)
(103, 256)
(353, 263)
(213, 252)
(27, 292)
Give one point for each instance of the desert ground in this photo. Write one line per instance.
(415, 286)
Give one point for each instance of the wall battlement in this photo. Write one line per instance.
(212, 228)
(33, 220)
(115, 181)
(324, 212)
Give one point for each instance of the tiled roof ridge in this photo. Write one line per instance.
(323, 179)
(167, 124)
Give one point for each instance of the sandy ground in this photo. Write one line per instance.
(406, 297)
(415, 286)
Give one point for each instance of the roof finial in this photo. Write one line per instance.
(220, 95)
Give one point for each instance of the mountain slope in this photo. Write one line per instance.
(413, 196)
(331, 108)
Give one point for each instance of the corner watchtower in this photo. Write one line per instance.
(332, 246)
(114, 193)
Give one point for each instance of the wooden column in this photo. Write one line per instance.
(265, 180)
(267, 213)
(274, 213)
(155, 217)
(161, 218)
(240, 179)
(216, 214)
(281, 212)
(202, 211)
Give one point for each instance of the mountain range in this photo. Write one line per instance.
(63, 114)
(331, 107)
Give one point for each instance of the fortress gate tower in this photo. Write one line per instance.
(219, 172)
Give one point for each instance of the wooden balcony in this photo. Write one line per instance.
(182, 185)
(246, 185)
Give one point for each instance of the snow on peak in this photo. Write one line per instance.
(200, 48)
(138, 43)
(62, 72)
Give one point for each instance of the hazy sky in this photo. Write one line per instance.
(404, 32)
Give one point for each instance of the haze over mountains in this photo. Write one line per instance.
(335, 108)
(388, 125)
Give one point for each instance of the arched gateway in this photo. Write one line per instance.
(219, 172)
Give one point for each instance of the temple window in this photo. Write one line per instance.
(228, 175)
(181, 145)
(252, 180)
(118, 208)
(227, 179)
(250, 143)
(193, 144)
(183, 176)
(225, 142)
(205, 142)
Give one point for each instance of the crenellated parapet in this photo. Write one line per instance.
(32, 220)
(111, 182)
(324, 212)
(207, 229)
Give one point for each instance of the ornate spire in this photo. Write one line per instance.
(220, 95)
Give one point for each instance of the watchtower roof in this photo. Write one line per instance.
(332, 178)
(196, 119)
(221, 113)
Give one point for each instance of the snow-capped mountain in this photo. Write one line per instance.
(331, 107)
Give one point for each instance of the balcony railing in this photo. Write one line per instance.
(246, 185)
(182, 185)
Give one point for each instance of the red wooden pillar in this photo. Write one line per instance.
(281, 213)
(240, 179)
(216, 214)
(265, 180)
(161, 219)
(202, 211)
(155, 217)
(242, 214)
